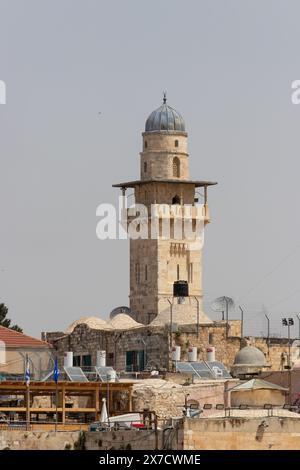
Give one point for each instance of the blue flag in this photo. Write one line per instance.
(27, 373)
(55, 371)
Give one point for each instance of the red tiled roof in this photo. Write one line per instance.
(14, 338)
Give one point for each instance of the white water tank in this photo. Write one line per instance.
(111, 376)
(211, 353)
(101, 359)
(192, 354)
(68, 359)
(176, 351)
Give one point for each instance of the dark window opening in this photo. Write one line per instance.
(145, 167)
(146, 144)
(82, 360)
(146, 272)
(176, 143)
(87, 360)
(135, 361)
(176, 199)
(76, 361)
(137, 273)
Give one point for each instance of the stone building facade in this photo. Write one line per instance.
(149, 345)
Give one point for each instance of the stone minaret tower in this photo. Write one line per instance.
(156, 263)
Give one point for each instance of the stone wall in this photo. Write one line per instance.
(257, 397)
(159, 150)
(39, 440)
(214, 335)
(134, 439)
(155, 342)
(84, 340)
(285, 379)
(167, 399)
(241, 433)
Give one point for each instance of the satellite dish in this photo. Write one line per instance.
(223, 304)
(118, 310)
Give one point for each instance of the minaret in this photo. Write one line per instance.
(156, 263)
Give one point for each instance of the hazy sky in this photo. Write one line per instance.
(227, 67)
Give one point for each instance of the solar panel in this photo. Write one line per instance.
(184, 367)
(75, 374)
(199, 365)
(188, 367)
(104, 373)
(203, 370)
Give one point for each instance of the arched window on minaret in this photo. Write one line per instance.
(176, 167)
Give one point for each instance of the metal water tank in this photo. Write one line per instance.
(101, 359)
(176, 351)
(68, 359)
(192, 354)
(211, 353)
(180, 289)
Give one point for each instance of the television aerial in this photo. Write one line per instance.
(117, 310)
(223, 304)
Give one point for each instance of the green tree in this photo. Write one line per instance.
(6, 321)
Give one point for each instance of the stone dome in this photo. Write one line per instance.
(250, 356)
(92, 322)
(122, 321)
(165, 118)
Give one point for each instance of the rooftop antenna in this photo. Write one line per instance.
(268, 342)
(223, 304)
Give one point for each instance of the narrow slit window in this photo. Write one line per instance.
(176, 167)
(137, 273)
(191, 273)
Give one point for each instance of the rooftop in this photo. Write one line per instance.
(165, 119)
(132, 184)
(258, 384)
(13, 338)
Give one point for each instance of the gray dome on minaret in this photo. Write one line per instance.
(166, 119)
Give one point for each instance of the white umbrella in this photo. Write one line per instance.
(104, 415)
